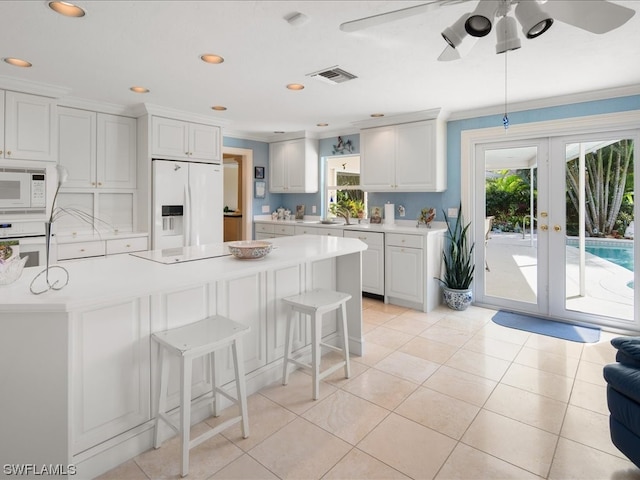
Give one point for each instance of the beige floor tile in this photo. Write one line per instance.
(387, 337)
(244, 468)
(407, 366)
(459, 322)
(431, 317)
(300, 450)
(527, 407)
(533, 380)
(461, 385)
(357, 465)
(408, 324)
(373, 353)
(589, 428)
(492, 347)
(467, 463)
(591, 373)
(204, 460)
(590, 396)
(478, 364)
(450, 336)
(265, 418)
(498, 332)
(554, 345)
(524, 446)
(439, 412)
(388, 308)
(407, 446)
(297, 394)
(127, 471)
(548, 362)
(337, 378)
(376, 317)
(602, 352)
(383, 389)
(349, 417)
(574, 461)
(429, 350)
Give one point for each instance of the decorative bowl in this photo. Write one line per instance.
(10, 270)
(249, 249)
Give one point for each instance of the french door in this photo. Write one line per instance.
(553, 227)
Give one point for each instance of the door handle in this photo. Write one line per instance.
(544, 228)
(557, 228)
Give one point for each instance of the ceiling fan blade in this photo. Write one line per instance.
(362, 23)
(595, 16)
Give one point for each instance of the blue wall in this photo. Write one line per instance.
(414, 202)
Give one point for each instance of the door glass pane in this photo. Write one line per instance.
(599, 228)
(511, 246)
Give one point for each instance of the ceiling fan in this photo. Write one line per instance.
(534, 16)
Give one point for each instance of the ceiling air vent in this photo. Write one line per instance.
(333, 75)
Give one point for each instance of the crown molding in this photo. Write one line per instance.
(160, 111)
(95, 106)
(556, 101)
(36, 88)
(431, 114)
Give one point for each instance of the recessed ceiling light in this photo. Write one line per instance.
(211, 58)
(67, 9)
(375, 115)
(219, 108)
(139, 89)
(295, 86)
(322, 124)
(17, 62)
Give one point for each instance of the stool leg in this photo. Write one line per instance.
(214, 383)
(163, 363)
(345, 340)
(241, 390)
(316, 337)
(287, 346)
(185, 410)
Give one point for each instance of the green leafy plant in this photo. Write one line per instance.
(458, 255)
(347, 208)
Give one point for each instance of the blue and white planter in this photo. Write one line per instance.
(457, 299)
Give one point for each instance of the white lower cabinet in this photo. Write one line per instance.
(404, 259)
(372, 260)
(110, 376)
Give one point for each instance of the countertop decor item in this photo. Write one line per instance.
(250, 249)
(11, 269)
(427, 215)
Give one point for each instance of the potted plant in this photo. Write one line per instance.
(347, 208)
(458, 265)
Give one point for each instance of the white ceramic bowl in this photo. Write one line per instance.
(250, 249)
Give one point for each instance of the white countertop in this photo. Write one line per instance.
(399, 226)
(104, 279)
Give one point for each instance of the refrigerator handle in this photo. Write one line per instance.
(187, 216)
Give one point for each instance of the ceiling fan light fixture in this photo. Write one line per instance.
(478, 24)
(454, 34)
(507, 33)
(533, 19)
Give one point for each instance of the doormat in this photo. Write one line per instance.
(544, 326)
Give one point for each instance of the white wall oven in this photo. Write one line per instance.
(28, 238)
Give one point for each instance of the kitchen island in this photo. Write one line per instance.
(77, 366)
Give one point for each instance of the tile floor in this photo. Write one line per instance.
(444, 395)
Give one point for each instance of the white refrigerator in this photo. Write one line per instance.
(187, 204)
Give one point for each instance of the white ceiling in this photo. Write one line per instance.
(157, 44)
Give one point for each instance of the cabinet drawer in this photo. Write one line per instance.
(67, 251)
(284, 229)
(404, 240)
(302, 230)
(330, 232)
(370, 238)
(124, 245)
(264, 228)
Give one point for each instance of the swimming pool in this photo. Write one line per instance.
(619, 252)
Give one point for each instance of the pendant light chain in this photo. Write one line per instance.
(505, 119)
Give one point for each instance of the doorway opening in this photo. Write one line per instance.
(238, 189)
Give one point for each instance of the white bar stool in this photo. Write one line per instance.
(204, 337)
(316, 303)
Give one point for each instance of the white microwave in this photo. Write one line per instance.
(22, 191)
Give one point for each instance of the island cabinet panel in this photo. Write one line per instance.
(110, 371)
(283, 282)
(172, 310)
(243, 300)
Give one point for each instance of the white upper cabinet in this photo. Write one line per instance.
(293, 166)
(406, 158)
(98, 150)
(176, 139)
(30, 131)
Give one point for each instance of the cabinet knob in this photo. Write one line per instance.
(9, 152)
(82, 249)
(0, 152)
(128, 246)
(99, 184)
(93, 184)
(186, 153)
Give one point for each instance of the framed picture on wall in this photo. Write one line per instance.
(258, 172)
(260, 189)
